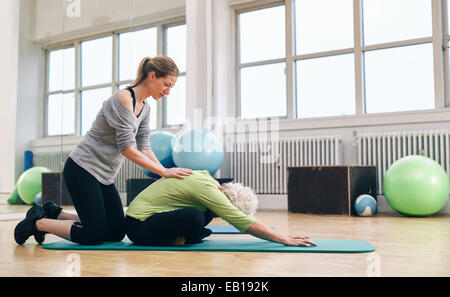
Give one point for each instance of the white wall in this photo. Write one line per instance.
(53, 23)
(31, 80)
(9, 31)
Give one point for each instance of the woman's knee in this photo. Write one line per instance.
(116, 236)
(88, 236)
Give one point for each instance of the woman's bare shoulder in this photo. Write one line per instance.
(126, 99)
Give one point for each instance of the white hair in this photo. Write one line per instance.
(241, 197)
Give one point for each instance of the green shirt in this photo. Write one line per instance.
(197, 190)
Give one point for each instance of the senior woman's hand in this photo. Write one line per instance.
(298, 241)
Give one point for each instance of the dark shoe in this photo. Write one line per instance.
(27, 227)
(51, 210)
(206, 232)
(39, 236)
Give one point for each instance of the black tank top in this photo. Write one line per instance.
(134, 98)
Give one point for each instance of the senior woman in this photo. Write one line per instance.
(175, 211)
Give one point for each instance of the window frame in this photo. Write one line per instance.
(440, 40)
(115, 82)
(240, 65)
(164, 108)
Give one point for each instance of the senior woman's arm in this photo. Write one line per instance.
(261, 230)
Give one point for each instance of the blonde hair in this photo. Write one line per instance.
(241, 197)
(161, 65)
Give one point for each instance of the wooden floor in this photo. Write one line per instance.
(404, 247)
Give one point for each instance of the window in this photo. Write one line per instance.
(261, 35)
(176, 49)
(388, 21)
(91, 103)
(342, 58)
(61, 115)
(73, 102)
(319, 28)
(263, 89)
(338, 98)
(96, 61)
(60, 92)
(133, 46)
(325, 78)
(446, 47)
(400, 77)
(262, 52)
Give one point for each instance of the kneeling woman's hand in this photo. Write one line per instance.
(177, 172)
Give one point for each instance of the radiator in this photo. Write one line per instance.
(56, 160)
(383, 149)
(262, 164)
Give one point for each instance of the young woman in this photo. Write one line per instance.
(120, 130)
(173, 212)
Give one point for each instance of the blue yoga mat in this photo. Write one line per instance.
(226, 229)
(228, 245)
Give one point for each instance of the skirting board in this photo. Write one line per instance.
(279, 202)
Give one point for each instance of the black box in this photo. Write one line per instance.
(329, 189)
(137, 185)
(54, 189)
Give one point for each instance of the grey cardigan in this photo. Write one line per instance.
(114, 129)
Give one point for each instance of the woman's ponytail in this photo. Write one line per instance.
(161, 65)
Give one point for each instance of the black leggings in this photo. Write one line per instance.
(163, 228)
(98, 206)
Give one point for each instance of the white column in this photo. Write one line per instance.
(199, 78)
(209, 60)
(223, 64)
(210, 66)
(9, 31)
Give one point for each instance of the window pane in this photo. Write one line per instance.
(133, 47)
(448, 17)
(323, 25)
(153, 112)
(61, 114)
(262, 34)
(96, 61)
(399, 79)
(91, 103)
(263, 91)
(61, 74)
(176, 46)
(337, 73)
(176, 103)
(388, 21)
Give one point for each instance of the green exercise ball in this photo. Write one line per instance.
(416, 186)
(30, 183)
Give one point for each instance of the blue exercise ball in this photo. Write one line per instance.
(38, 198)
(198, 149)
(365, 205)
(161, 145)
